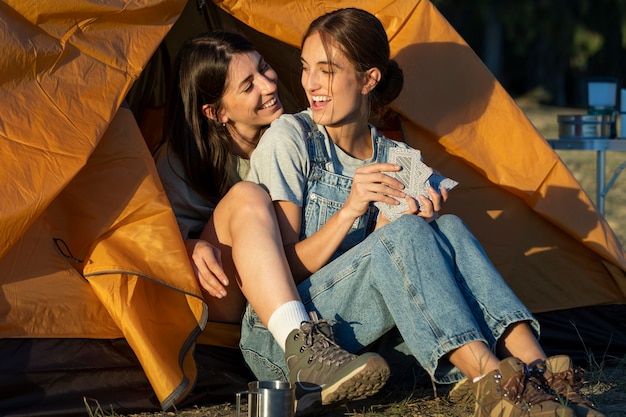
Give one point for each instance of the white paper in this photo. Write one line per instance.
(416, 177)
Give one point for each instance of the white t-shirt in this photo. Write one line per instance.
(280, 162)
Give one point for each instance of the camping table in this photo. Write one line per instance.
(600, 146)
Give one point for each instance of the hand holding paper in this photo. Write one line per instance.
(416, 177)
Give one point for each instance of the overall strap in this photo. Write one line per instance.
(316, 147)
(383, 144)
(314, 140)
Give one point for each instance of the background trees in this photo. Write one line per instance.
(548, 47)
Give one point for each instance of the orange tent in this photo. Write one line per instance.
(90, 251)
(96, 289)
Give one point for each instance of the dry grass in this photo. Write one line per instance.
(606, 386)
(607, 377)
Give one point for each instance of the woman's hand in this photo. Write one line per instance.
(207, 265)
(369, 184)
(430, 206)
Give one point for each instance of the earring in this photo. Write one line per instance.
(223, 124)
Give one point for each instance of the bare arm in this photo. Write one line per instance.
(369, 184)
(307, 256)
(207, 265)
(311, 254)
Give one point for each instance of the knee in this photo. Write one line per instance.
(248, 193)
(408, 222)
(248, 198)
(407, 231)
(450, 224)
(409, 238)
(450, 221)
(453, 230)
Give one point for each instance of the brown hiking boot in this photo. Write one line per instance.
(462, 392)
(566, 380)
(323, 373)
(513, 392)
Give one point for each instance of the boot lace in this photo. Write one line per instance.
(525, 388)
(566, 384)
(319, 341)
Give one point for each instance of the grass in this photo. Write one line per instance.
(606, 376)
(606, 386)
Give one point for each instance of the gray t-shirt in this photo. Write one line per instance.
(191, 209)
(281, 164)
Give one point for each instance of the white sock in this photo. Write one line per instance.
(478, 378)
(286, 318)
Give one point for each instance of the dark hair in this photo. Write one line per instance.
(363, 40)
(202, 144)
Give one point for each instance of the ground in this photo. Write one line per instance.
(607, 387)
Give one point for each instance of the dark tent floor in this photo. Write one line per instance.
(105, 373)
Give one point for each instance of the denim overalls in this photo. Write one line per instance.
(432, 281)
(327, 192)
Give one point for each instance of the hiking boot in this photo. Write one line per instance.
(513, 392)
(566, 381)
(462, 393)
(323, 373)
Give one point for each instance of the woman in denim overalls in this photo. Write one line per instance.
(427, 276)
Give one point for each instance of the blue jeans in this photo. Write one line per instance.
(432, 281)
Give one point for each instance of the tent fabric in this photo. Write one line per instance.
(52, 52)
(90, 246)
(110, 266)
(101, 374)
(91, 259)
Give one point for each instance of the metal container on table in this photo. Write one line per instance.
(576, 126)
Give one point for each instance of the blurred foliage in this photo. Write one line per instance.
(553, 45)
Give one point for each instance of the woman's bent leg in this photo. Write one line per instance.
(244, 228)
(407, 277)
(244, 225)
(402, 275)
(474, 271)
